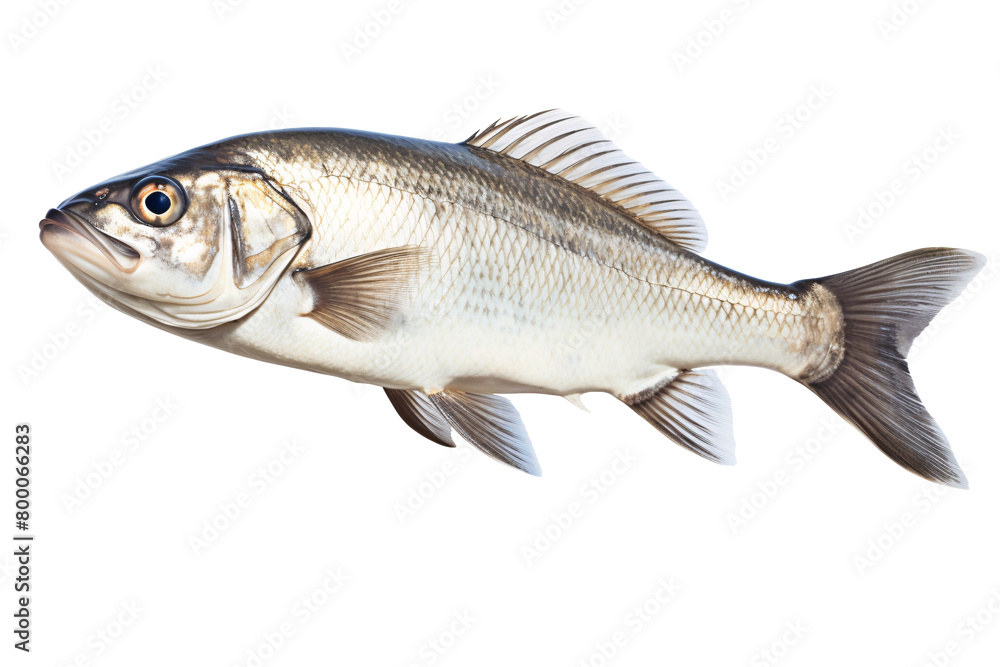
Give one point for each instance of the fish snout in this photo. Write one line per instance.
(64, 232)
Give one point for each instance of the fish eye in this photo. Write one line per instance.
(158, 201)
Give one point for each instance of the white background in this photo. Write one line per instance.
(867, 562)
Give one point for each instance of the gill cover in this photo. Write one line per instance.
(262, 232)
(215, 264)
(264, 226)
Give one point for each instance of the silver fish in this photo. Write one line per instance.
(533, 257)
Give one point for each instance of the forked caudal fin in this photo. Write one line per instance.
(885, 306)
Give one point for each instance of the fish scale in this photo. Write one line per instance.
(533, 257)
(488, 287)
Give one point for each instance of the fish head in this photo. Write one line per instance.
(182, 244)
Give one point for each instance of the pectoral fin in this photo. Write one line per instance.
(364, 296)
(420, 414)
(491, 424)
(694, 411)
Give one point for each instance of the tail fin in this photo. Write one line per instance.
(885, 306)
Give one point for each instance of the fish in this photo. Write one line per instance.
(533, 257)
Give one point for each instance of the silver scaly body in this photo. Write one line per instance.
(533, 257)
(561, 293)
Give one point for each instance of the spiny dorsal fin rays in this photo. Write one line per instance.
(569, 147)
(694, 411)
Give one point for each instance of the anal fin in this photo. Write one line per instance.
(420, 414)
(362, 297)
(492, 425)
(694, 411)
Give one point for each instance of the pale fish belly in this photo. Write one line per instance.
(502, 310)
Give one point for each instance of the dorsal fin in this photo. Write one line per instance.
(573, 149)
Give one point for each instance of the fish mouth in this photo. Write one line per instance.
(62, 232)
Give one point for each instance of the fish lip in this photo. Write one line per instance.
(123, 256)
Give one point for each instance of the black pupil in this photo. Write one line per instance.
(158, 203)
